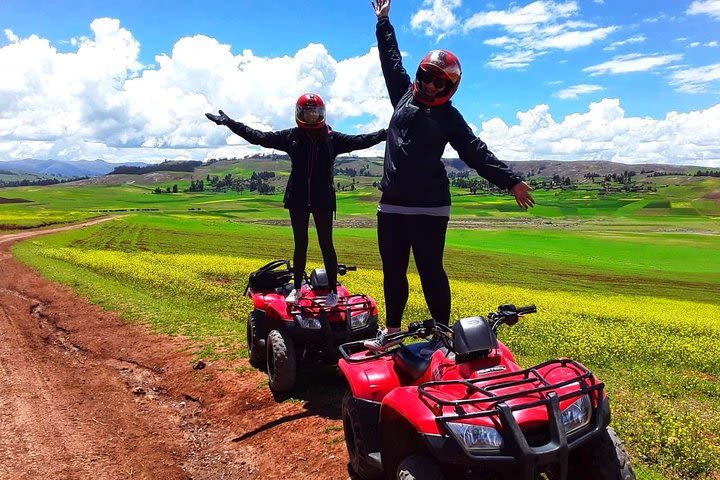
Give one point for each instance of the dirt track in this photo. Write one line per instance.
(84, 395)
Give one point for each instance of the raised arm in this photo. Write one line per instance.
(397, 80)
(277, 140)
(347, 143)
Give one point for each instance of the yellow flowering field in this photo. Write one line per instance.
(660, 358)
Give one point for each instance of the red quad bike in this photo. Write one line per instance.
(282, 336)
(458, 406)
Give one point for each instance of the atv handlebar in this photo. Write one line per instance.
(507, 313)
(526, 310)
(343, 269)
(422, 329)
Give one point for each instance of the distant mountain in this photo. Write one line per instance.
(79, 168)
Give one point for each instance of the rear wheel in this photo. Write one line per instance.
(356, 447)
(256, 350)
(417, 467)
(603, 458)
(281, 361)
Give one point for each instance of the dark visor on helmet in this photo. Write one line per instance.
(427, 77)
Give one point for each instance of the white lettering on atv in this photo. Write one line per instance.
(497, 368)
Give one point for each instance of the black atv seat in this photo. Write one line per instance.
(285, 289)
(413, 360)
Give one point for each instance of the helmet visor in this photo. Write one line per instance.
(429, 79)
(430, 85)
(310, 114)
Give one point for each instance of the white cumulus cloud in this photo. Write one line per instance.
(620, 43)
(696, 80)
(604, 132)
(576, 90)
(98, 101)
(436, 18)
(633, 62)
(534, 30)
(705, 7)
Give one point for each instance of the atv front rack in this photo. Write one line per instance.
(585, 380)
(316, 306)
(536, 447)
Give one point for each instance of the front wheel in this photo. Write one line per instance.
(281, 361)
(603, 458)
(356, 446)
(417, 467)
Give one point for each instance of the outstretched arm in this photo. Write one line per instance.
(477, 155)
(347, 143)
(277, 140)
(397, 80)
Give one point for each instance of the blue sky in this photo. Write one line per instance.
(612, 80)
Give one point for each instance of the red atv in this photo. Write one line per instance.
(280, 336)
(458, 406)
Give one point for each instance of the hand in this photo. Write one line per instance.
(381, 7)
(522, 195)
(220, 119)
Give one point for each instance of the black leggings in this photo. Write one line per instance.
(425, 235)
(300, 220)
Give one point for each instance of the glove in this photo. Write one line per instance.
(220, 119)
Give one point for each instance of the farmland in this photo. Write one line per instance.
(626, 283)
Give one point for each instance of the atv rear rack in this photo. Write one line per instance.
(350, 305)
(585, 380)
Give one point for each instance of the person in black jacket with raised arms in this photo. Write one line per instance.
(312, 147)
(414, 207)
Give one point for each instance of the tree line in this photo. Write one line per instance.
(708, 173)
(258, 182)
(38, 183)
(166, 166)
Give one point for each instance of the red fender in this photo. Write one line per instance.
(370, 380)
(407, 403)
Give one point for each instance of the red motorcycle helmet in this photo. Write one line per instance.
(442, 69)
(310, 111)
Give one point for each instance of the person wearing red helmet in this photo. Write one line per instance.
(414, 207)
(312, 147)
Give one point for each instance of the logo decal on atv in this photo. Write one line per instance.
(497, 368)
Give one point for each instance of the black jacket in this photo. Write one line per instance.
(414, 175)
(312, 158)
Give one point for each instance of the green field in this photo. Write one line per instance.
(628, 285)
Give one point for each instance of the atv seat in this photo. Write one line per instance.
(413, 360)
(285, 289)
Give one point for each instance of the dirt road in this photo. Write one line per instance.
(84, 395)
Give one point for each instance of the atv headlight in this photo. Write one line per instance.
(476, 438)
(308, 322)
(360, 320)
(577, 415)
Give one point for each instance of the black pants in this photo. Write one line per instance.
(300, 220)
(425, 236)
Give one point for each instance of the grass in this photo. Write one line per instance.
(670, 206)
(635, 297)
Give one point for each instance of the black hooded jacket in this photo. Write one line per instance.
(414, 174)
(312, 156)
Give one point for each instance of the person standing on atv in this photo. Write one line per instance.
(414, 207)
(312, 147)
